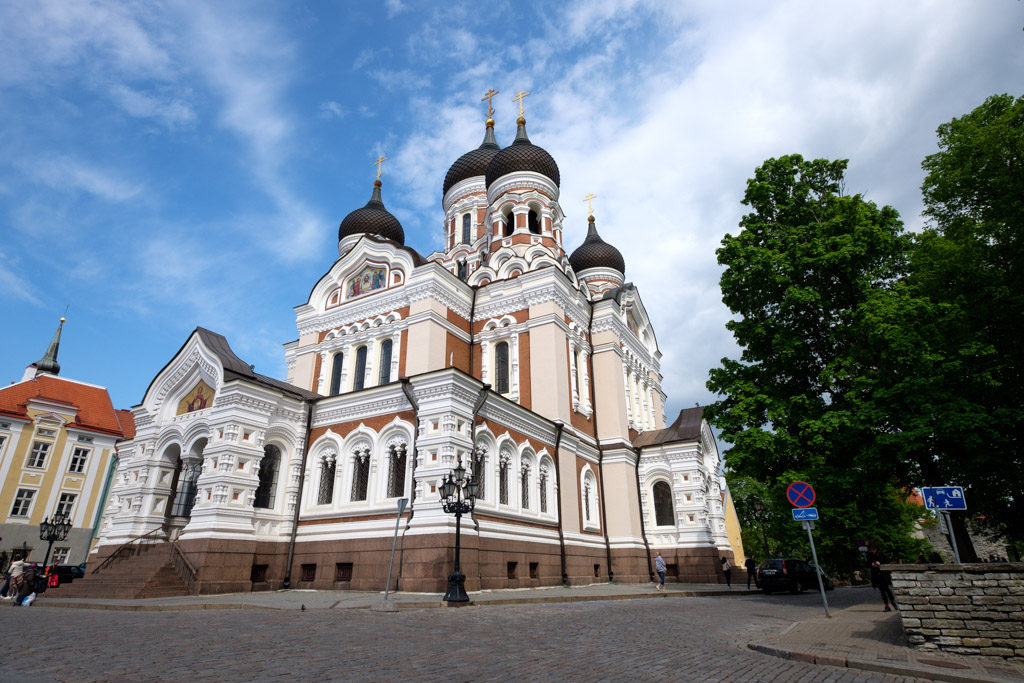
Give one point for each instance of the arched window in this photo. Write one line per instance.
(465, 228)
(506, 462)
(269, 467)
(663, 505)
(360, 378)
(525, 485)
(385, 362)
(463, 270)
(590, 499)
(191, 468)
(336, 374)
(326, 492)
(533, 222)
(501, 367)
(396, 470)
(360, 473)
(542, 480)
(510, 223)
(480, 471)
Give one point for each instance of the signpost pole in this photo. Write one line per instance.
(952, 536)
(817, 570)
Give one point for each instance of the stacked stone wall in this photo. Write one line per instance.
(967, 609)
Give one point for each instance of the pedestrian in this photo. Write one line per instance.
(17, 574)
(751, 566)
(659, 566)
(727, 570)
(880, 579)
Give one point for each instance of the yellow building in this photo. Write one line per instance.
(58, 444)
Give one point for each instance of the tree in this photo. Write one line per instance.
(806, 276)
(969, 264)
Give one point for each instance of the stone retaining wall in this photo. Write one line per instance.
(967, 609)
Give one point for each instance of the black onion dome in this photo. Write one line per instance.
(522, 155)
(474, 162)
(373, 219)
(596, 253)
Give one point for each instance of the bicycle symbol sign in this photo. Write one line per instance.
(800, 494)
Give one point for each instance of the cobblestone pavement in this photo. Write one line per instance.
(700, 638)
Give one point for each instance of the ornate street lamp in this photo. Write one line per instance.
(458, 495)
(53, 531)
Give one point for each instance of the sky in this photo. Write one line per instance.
(166, 165)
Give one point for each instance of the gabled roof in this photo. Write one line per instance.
(95, 412)
(236, 368)
(686, 428)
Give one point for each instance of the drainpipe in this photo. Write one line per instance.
(643, 529)
(103, 499)
(287, 582)
(600, 448)
(407, 390)
(559, 426)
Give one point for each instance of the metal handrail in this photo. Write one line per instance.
(183, 568)
(124, 547)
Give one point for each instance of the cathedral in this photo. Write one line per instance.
(534, 368)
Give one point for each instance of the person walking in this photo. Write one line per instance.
(751, 566)
(659, 566)
(881, 580)
(727, 570)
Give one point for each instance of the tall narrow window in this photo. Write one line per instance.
(480, 471)
(360, 474)
(326, 493)
(501, 367)
(525, 484)
(269, 466)
(188, 487)
(586, 500)
(465, 228)
(66, 505)
(396, 475)
(510, 223)
(336, 374)
(78, 458)
(360, 378)
(37, 458)
(463, 270)
(385, 362)
(580, 360)
(503, 481)
(543, 481)
(663, 514)
(533, 222)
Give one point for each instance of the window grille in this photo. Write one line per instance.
(268, 478)
(258, 574)
(525, 485)
(360, 378)
(326, 493)
(385, 362)
(543, 480)
(504, 480)
(396, 477)
(663, 513)
(22, 502)
(360, 474)
(586, 501)
(78, 458)
(479, 471)
(336, 374)
(308, 573)
(37, 458)
(501, 368)
(343, 571)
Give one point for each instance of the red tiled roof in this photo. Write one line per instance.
(95, 411)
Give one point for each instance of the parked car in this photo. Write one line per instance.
(789, 573)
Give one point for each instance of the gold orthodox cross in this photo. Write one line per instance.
(519, 98)
(588, 199)
(380, 162)
(487, 96)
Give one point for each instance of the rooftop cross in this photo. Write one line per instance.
(487, 96)
(519, 98)
(380, 162)
(588, 199)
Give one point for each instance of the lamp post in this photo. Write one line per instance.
(458, 496)
(52, 531)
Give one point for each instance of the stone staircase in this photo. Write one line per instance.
(143, 570)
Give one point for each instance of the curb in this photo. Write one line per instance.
(874, 666)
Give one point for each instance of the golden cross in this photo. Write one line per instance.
(487, 96)
(519, 98)
(380, 162)
(588, 199)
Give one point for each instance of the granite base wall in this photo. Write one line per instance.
(967, 609)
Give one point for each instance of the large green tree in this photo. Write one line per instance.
(806, 277)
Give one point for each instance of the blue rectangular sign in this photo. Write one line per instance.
(802, 514)
(944, 498)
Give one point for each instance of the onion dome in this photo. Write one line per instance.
(522, 155)
(596, 253)
(474, 162)
(372, 219)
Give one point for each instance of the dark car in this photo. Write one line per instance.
(788, 574)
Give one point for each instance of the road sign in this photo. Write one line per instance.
(800, 514)
(944, 498)
(800, 494)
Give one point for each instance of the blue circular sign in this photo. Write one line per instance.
(800, 494)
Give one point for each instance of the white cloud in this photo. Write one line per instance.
(14, 285)
(332, 110)
(171, 111)
(66, 173)
(394, 7)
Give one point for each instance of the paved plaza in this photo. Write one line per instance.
(259, 637)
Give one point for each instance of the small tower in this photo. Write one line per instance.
(597, 264)
(47, 365)
(372, 219)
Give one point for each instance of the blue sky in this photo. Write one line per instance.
(165, 165)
